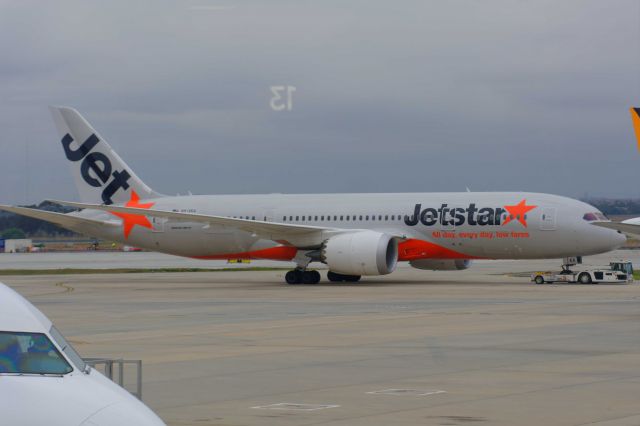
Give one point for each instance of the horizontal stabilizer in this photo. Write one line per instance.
(626, 228)
(65, 220)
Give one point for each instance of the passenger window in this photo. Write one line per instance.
(366, 217)
(303, 218)
(373, 217)
(386, 217)
(284, 218)
(347, 217)
(321, 217)
(360, 217)
(297, 218)
(341, 217)
(335, 217)
(315, 218)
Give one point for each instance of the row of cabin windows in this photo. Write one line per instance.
(341, 217)
(328, 217)
(355, 217)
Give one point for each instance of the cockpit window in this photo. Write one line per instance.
(594, 216)
(30, 353)
(67, 348)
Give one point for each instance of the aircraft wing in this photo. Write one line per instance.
(296, 235)
(62, 219)
(627, 228)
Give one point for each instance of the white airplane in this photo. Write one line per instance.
(353, 234)
(43, 380)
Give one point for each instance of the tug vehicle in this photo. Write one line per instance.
(620, 272)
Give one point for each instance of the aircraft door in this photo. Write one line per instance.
(269, 215)
(158, 223)
(448, 219)
(548, 219)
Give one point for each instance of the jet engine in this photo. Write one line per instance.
(361, 253)
(441, 264)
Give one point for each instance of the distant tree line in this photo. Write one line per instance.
(610, 206)
(16, 226)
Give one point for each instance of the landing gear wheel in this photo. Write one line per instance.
(339, 278)
(585, 278)
(539, 279)
(298, 276)
(311, 277)
(293, 277)
(333, 277)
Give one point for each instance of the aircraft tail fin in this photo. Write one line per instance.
(101, 176)
(635, 119)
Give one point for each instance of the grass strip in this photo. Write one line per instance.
(81, 271)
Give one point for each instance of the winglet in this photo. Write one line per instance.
(635, 118)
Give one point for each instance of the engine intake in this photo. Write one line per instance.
(441, 264)
(361, 253)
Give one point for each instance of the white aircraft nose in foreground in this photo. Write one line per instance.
(353, 234)
(43, 381)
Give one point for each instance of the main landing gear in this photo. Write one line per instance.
(338, 278)
(301, 276)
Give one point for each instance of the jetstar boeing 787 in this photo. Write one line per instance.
(353, 234)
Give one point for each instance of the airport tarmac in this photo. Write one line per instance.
(413, 348)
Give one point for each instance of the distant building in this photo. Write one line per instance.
(18, 246)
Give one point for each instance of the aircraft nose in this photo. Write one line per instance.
(618, 239)
(124, 413)
(599, 240)
(609, 239)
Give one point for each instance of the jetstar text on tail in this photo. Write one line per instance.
(99, 164)
(471, 215)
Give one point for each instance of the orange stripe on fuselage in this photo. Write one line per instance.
(407, 250)
(419, 249)
(272, 253)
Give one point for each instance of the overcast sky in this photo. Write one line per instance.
(390, 96)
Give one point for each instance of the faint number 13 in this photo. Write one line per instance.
(282, 99)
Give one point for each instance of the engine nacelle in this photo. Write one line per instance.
(361, 253)
(441, 264)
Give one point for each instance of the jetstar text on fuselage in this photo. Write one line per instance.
(99, 164)
(457, 216)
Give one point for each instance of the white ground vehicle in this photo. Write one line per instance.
(43, 381)
(617, 272)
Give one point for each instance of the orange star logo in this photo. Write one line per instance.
(130, 220)
(518, 212)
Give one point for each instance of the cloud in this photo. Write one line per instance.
(422, 96)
